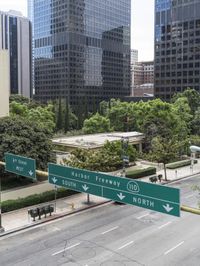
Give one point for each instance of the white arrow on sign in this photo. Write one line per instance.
(167, 208)
(30, 173)
(121, 196)
(54, 179)
(85, 187)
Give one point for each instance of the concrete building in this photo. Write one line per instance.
(81, 50)
(4, 83)
(65, 145)
(134, 56)
(177, 46)
(142, 76)
(15, 36)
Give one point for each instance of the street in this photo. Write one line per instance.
(111, 235)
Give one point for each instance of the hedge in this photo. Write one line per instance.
(137, 173)
(179, 164)
(11, 205)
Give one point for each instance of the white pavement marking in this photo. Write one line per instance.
(114, 228)
(168, 251)
(56, 253)
(142, 216)
(189, 196)
(164, 225)
(127, 244)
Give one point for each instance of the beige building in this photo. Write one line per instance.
(4, 83)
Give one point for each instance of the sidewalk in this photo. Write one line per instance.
(19, 219)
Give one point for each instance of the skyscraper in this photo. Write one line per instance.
(81, 49)
(15, 37)
(177, 46)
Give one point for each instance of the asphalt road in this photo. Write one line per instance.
(111, 235)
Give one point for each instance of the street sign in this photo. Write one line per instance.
(20, 165)
(150, 196)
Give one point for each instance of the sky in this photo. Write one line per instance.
(142, 24)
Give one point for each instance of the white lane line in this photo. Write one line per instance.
(164, 225)
(189, 196)
(56, 253)
(114, 228)
(127, 244)
(144, 215)
(170, 250)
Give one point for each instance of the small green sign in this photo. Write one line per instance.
(20, 165)
(150, 196)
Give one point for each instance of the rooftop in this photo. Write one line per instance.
(97, 140)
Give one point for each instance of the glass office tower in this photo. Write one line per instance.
(81, 49)
(177, 46)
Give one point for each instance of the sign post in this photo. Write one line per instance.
(150, 196)
(20, 165)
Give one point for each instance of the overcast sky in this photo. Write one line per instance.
(142, 33)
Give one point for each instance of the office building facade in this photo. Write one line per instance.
(81, 49)
(177, 46)
(15, 36)
(4, 83)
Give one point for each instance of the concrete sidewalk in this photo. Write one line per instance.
(18, 219)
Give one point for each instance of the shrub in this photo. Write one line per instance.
(11, 205)
(141, 172)
(179, 164)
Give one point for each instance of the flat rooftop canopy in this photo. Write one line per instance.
(93, 141)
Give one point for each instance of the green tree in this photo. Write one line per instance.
(96, 124)
(108, 158)
(26, 138)
(165, 150)
(43, 116)
(192, 96)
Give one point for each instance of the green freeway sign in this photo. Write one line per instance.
(20, 165)
(150, 196)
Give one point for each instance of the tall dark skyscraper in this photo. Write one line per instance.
(81, 49)
(177, 46)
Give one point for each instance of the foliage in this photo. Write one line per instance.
(42, 116)
(165, 150)
(11, 205)
(137, 173)
(66, 120)
(96, 124)
(179, 164)
(195, 124)
(192, 96)
(19, 99)
(26, 138)
(109, 158)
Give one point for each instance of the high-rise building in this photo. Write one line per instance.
(134, 56)
(4, 83)
(81, 49)
(15, 37)
(177, 46)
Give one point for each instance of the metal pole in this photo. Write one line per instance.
(1, 227)
(88, 198)
(55, 190)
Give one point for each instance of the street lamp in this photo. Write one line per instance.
(125, 158)
(1, 227)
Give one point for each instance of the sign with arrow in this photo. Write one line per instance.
(20, 165)
(147, 195)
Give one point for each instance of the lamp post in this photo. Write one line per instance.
(1, 227)
(124, 143)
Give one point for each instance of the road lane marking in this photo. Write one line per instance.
(114, 228)
(170, 250)
(189, 196)
(142, 216)
(127, 244)
(56, 253)
(164, 225)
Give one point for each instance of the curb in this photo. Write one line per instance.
(58, 216)
(189, 209)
